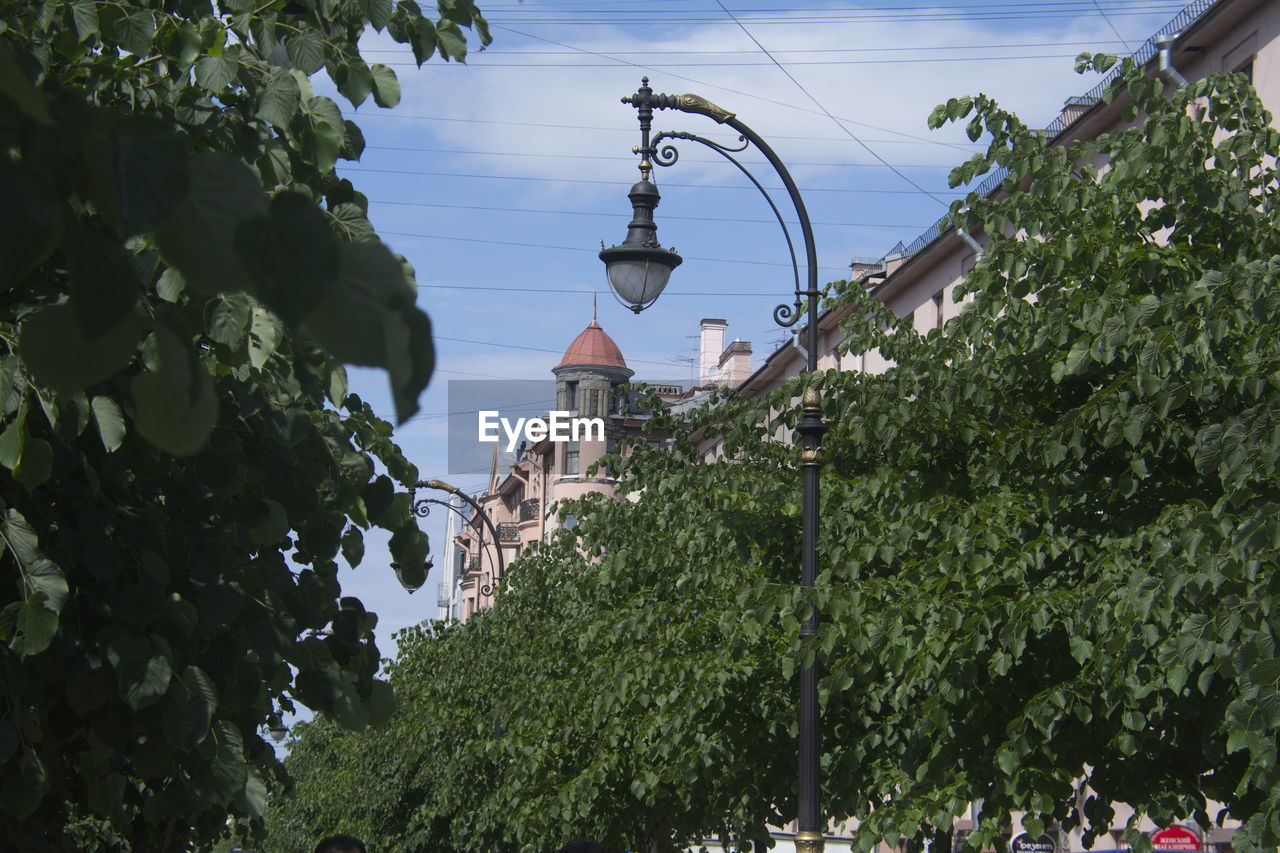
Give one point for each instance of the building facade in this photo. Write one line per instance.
(918, 280)
(520, 499)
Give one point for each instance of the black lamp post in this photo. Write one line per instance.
(638, 270)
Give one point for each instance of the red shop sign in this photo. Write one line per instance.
(1176, 838)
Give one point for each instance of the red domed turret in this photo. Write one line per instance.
(593, 348)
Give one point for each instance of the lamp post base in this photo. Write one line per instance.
(809, 842)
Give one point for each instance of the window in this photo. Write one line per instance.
(570, 396)
(938, 300)
(571, 457)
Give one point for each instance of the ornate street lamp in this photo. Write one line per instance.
(639, 267)
(638, 270)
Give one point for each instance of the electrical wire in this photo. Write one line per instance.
(665, 68)
(594, 213)
(722, 88)
(1111, 24)
(351, 170)
(910, 139)
(988, 12)
(825, 111)
(521, 245)
(621, 159)
(769, 294)
(532, 349)
(838, 50)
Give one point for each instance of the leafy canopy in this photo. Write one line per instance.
(1048, 548)
(182, 277)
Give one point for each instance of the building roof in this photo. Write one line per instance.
(593, 348)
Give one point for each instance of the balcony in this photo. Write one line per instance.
(530, 510)
(473, 563)
(508, 532)
(444, 595)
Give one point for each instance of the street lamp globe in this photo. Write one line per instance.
(638, 268)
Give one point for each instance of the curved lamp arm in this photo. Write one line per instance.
(441, 485)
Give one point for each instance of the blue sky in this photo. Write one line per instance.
(499, 178)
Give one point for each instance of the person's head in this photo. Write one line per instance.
(341, 844)
(583, 845)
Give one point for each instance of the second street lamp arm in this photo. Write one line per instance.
(441, 485)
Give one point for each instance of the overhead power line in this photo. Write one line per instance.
(618, 158)
(351, 170)
(907, 139)
(999, 12)
(697, 82)
(665, 216)
(532, 349)
(825, 111)
(931, 7)
(585, 292)
(522, 245)
(923, 60)
(788, 51)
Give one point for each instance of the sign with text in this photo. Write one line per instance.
(507, 415)
(1176, 838)
(1027, 843)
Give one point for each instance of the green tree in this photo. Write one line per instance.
(1049, 545)
(182, 277)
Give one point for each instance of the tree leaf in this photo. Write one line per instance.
(135, 31)
(272, 526)
(354, 80)
(279, 99)
(381, 704)
(29, 222)
(216, 72)
(185, 44)
(292, 254)
(13, 438)
(59, 356)
(110, 422)
(176, 406)
(152, 172)
(36, 626)
(229, 317)
(36, 465)
(104, 286)
(17, 87)
(142, 684)
(386, 88)
(451, 41)
(198, 239)
(306, 51)
(84, 16)
(320, 131)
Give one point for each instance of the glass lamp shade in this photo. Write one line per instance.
(638, 275)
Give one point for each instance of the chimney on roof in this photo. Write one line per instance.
(735, 363)
(711, 344)
(866, 271)
(1073, 108)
